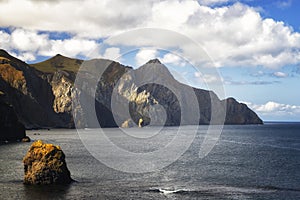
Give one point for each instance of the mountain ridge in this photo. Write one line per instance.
(48, 88)
(58, 62)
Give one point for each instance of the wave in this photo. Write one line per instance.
(165, 191)
(170, 191)
(215, 190)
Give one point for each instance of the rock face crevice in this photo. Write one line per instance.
(45, 164)
(43, 95)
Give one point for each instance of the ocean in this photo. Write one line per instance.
(247, 162)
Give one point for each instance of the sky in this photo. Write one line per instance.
(248, 49)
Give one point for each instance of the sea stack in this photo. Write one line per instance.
(45, 164)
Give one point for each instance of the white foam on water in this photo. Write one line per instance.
(167, 191)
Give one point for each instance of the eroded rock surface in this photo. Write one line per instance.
(45, 164)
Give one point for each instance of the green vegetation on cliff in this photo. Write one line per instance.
(58, 62)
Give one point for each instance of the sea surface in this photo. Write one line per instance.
(248, 162)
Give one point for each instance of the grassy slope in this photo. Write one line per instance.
(58, 62)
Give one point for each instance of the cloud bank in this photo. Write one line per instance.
(275, 110)
(233, 35)
(30, 43)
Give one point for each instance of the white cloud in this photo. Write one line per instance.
(89, 18)
(206, 78)
(171, 15)
(275, 109)
(246, 82)
(25, 40)
(144, 55)
(276, 74)
(258, 74)
(24, 56)
(112, 53)
(171, 58)
(233, 35)
(4, 40)
(280, 74)
(237, 36)
(69, 47)
(213, 2)
(28, 44)
(284, 4)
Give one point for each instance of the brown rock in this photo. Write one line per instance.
(45, 164)
(128, 123)
(26, 139)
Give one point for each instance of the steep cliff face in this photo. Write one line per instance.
(62, 90)
(169, 98)
(30, 93)
(60, 73)
(42, 95)
(239, 113)
(11, 128)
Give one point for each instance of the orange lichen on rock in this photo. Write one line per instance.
(11, 75)
(45, 164)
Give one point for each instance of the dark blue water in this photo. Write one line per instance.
(248, 162)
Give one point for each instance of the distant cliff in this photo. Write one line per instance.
(42, 93)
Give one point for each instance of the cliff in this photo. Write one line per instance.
(30, 93)
(239, 113)
(11, 128)
(42, 93)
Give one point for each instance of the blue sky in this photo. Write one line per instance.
(248, 49)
